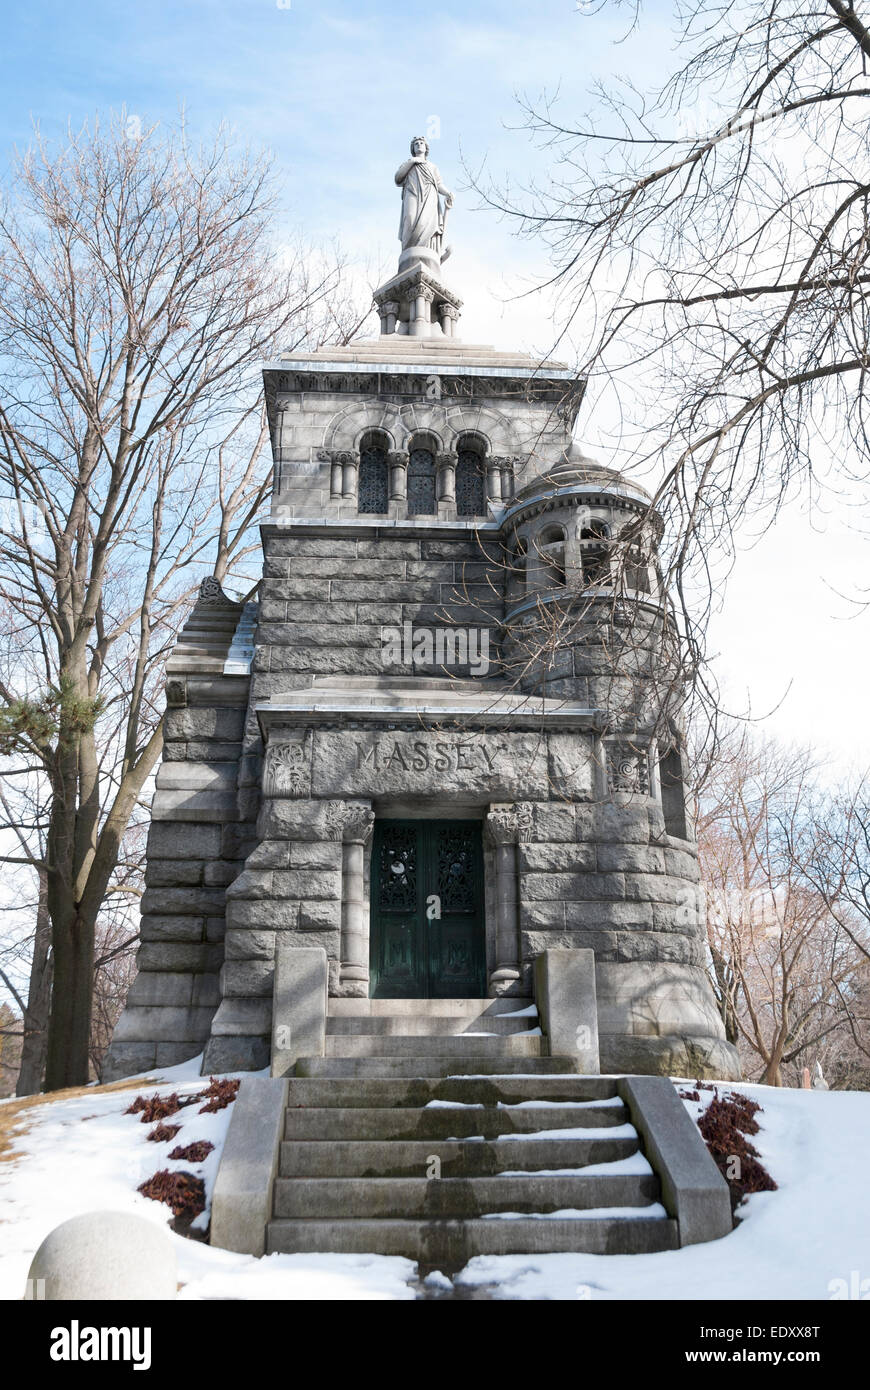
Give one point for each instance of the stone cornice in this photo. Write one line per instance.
(410, 709)
(579, 495)
(415, 280)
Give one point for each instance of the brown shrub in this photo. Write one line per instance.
(161, 1134)
(724, 1125)
(218, 1095)
(193, 1153)
(157, 1107)
(183, 1192)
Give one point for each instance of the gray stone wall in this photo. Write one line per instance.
(196, 846)
(265, 798)
(325, 599)
(290, 888)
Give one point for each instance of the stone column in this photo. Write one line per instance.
(398, 461)
(352, 822)
(507, 478)
(389, 312)
(423, 296)
(446, 464)
(493, 478)
(503, 827)
(448, 314)
(335, 471)
(349, 468)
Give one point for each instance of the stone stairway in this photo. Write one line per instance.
(440, 1129)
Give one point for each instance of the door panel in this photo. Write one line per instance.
(427, 913)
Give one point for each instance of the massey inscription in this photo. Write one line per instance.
(422, 756)
(491, 767)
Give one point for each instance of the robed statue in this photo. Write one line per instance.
(423, 217)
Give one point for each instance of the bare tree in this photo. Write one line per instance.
(833, 851)
(139, 288)
(790, 979)
(711, 248)
(10, 1049)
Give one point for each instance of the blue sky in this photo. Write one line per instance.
(336, 90)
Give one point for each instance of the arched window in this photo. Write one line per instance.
(374, 491)
(551, 548)
(421, 479)
(595, 552)
(470, 479)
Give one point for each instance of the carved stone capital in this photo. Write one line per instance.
(389, 306)
(287, 770)
(398, 458)
(337, 456)
(422, 291)
(524, 821)
(448, 311)
(446, 460)
(350, 822)
(502, 825)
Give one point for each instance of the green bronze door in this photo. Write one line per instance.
(427, 927)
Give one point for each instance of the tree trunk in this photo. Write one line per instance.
(71, 993)
(34, 1047)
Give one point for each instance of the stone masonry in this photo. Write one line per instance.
(427, 493)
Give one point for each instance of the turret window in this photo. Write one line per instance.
(551, 548)
(595, 553)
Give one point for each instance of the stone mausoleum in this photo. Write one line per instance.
(435, 743)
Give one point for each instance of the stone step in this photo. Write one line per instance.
(426, 1025)
(455, 1008)
(449, 1245)
(434, 1065)
(466, 1157)
(370, 1045)
(448, 1121)
(457, 1198)
(380, 1093)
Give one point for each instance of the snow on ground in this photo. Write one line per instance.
(84, 1153)
(795, 1243)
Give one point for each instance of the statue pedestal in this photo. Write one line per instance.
(420, 255)
(415, 302)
